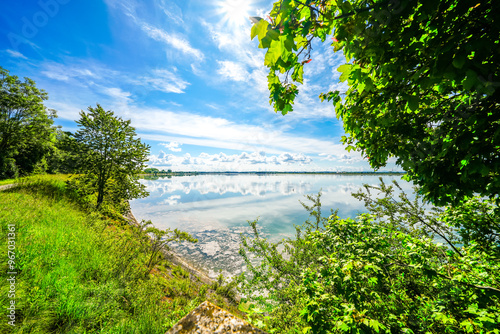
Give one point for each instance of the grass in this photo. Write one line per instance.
(7, 181)
(78, 272)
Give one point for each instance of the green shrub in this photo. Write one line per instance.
(380, 272)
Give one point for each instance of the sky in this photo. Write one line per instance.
(186, 74)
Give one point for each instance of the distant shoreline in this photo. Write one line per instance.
(268, 173)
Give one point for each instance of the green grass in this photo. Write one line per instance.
(7, 181)
(80, 273)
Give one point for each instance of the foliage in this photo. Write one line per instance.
(157, 240)
(63, 158)
(7, 181)
(79, 273)
(477, 221)
(275, 281)
(379, 272)
(423, 80)
(405, 215)
(110, 156)
(26, 132)
(151, 170)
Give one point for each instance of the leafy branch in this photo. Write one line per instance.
(158, 240)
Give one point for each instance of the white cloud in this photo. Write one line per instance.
(232, 71)
(209, 131)
(16, 54)
(223, 162)
(294, 158)
(172, 11)
(172, 200)
(347, 158)
(165, 81)
(82, 71)
(56, 76)
(171, 40)
(65, 110)
(172, 146)
(117, 94)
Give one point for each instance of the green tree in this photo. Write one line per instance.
(26, 131)
(423, 79)
(151, 170)
(63, 157)
(110, 156)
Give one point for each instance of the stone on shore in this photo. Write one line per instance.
(210, 319)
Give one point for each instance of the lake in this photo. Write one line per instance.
(216, 208)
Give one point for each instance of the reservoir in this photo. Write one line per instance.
(216, 208)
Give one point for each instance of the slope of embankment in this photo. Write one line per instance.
(71, 270)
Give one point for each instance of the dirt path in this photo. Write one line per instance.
(7, 186)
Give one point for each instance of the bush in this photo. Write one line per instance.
(380, 272)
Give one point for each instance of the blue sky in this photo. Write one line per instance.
(185, 72)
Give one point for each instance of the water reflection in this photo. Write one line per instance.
(216, 208)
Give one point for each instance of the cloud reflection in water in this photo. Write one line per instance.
(216, 208)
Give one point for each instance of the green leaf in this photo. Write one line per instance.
(345, 70)
(375, 325)
(273, 54)
(413, 102)
(259, 29)
(470, 80)
(274, 34)
(298, 73)
(289, 43)
(459, 60)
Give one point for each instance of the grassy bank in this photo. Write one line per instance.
(7, 181)
(73, 271)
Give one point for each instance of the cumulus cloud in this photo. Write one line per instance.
(294, 158)
(222, 161)
(172, 146)
(172, 200)
(345, 158)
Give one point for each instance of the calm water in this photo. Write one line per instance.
(216, 208)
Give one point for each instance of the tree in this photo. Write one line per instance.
(151, 170)
(110, 155)
(26, 131)
(423, 80)
(63, 157)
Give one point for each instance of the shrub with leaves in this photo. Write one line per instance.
(383, 271)
(157, 240)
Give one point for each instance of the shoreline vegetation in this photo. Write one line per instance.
(81, 270)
